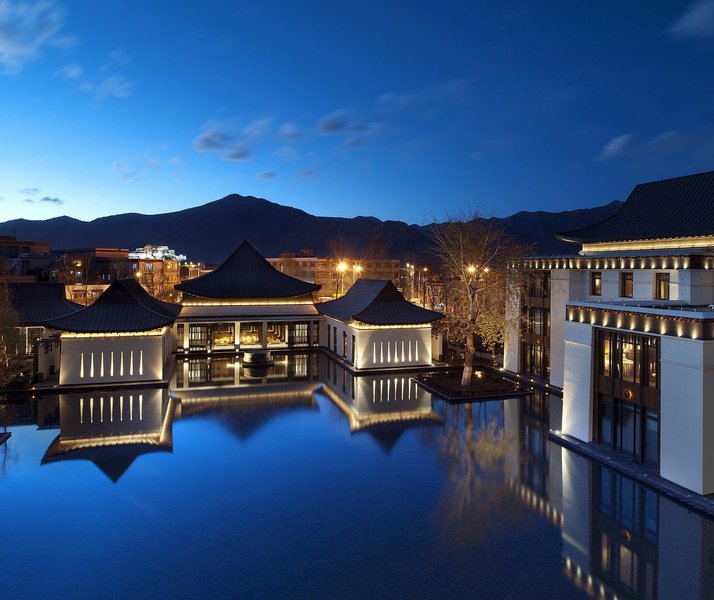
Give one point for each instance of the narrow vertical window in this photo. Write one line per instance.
(81, 411)
(121, 408)
(374, 352)
(131, 362)
(416, 350)
(131, 407)
(121, 364)
(91, 410)
(141, 362)
(111, 364)
(662, 286)
(101, 365)
(389, 352)
(596, 284)
(101, 409)
(81, 365)
(410, 351)
(403, 355)
(111, 408)
(626, 288)
(374, 389)
(91, 364)
(141, 407)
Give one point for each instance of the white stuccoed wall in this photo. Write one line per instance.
(512, 340)
(577, 388)
(564, 287)
(687, 413)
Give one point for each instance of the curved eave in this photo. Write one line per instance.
(313, 288)
(396, 323)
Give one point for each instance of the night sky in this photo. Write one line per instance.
(402, 110)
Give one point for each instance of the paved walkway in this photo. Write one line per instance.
(638, 472)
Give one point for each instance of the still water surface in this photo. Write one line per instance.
(304, 482)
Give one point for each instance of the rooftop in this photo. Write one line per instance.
(124, 306)
(681, 207)
(377, 302)
(36, 303)
(246, 274)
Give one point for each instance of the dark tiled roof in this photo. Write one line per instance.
(36, 303)
(671, 208)
(246, 274)
(377, 302)
(124, 306)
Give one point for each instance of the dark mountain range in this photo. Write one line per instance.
(211, 232)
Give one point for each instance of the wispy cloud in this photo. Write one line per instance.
(72, 71)
(290, 131)
(266, 175)
(114, 86)
(33, 191)
(335, 122)
(256, 128)
(116, 58)
(26, 28)
(437, 95)
(239, 152)
(615, 146)
(309, 173)
(696, 21)
(215, 137)
(124, 170)
(45, 200)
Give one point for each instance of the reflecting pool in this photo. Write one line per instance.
(302, 481)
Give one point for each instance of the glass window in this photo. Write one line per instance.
(222, 335)
(626, 288)
(596, 284)
(606, 356)
(662, 286)
(628, 360)
(197, 336)
(652, 363)
(250, 334)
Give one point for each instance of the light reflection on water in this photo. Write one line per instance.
(304, 481)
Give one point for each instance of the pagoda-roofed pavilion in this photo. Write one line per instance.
(35, 303)
(123, 337)
(374, 327)
(246, 303)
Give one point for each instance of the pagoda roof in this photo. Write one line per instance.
(377, 302)
(681, 207)
(36, 303)
(246, 274)
(124, 306)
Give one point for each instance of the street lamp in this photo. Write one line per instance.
(341, 268)
(356, 269)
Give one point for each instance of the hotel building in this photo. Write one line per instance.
(626, 329)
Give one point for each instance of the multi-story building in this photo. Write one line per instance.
(27, 261)
(334, 275)
(626, 328)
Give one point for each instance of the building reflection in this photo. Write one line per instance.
(384, 405)
(245, 398)
(110, 428)
(620, 539)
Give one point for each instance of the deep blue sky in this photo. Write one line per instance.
(401, 110)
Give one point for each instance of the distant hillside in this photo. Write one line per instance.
(212, 231)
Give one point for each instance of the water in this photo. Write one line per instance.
(303, 482)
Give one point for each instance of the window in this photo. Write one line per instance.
(662, 286)
(344, 344)
(329, 334)
(596, 284)
(626, 285)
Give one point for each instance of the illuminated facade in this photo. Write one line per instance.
(374, 327)
(123, 337)
(626, 329)
(246, 304)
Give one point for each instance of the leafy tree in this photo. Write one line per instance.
(475, 256)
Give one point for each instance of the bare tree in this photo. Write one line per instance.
(475, 256)
(9, 333)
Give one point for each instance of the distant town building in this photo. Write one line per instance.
(27, 261)
(335, 275)
(157, 253)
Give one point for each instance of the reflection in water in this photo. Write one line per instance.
(110, 428)
(384, 405)
(488, 469)
(245, 398)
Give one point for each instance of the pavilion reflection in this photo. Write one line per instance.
(110, 428)
(243, 398)
(383, 405)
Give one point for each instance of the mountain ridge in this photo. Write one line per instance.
(211, 231)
